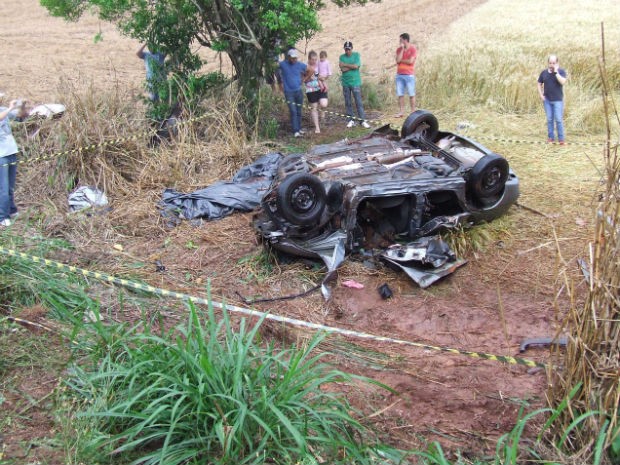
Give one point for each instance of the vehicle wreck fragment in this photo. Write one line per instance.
(383, 191)
(425, 260)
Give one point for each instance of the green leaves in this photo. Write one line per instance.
(205, 391)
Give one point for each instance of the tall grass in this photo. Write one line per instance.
(205, 393)
(491, 59)
(25, 285)
(593, 356)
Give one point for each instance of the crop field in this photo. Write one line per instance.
(477, 70)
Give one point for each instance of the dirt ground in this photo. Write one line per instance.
(504, 294)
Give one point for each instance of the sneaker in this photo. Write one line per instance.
(5, 222)
(562, 142)
(350, 124)
(550, 141)
(14, 215)
(302, 132)
(365, 124)
(297, 134)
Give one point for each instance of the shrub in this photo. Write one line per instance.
(205, 393)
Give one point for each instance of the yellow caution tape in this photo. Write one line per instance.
(269, 316)
(534, 142)
(341, 115)
(86, 148)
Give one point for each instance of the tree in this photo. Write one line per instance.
(248, 31)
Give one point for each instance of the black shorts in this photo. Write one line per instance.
(314, 97)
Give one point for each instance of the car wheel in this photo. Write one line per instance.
(301, 199)
(488, 176)
(421, 122)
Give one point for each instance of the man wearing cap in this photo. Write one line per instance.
(351, 80)
(292, 73)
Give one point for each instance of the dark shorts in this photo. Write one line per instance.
(314, 97)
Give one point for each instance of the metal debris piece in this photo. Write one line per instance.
(425, 260)
(543, 341)
(385, 292)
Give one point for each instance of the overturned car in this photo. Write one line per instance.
(382, 189)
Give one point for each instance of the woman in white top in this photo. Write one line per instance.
(314, 90)
(8, 160)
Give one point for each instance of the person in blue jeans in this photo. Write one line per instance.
(292, 78)
(351, 80)
(8, 160)
(551, 90)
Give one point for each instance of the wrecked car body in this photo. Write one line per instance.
(387, 187)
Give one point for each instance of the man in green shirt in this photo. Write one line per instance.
(351, 80)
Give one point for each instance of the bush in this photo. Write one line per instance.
(204, 393)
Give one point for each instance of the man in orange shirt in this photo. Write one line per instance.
(406, 55)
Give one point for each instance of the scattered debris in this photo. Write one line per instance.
(159, 267)
(47, 110)
(425, 260)
(461, 125)
(352, 284)
(585, 269)
(86, 197)
(543, 341)
(385, 292)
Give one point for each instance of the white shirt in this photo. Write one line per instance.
(8, 146)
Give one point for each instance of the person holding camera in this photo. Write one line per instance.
(550, 88)
(8, 159)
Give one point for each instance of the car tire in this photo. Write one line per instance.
(488, 177)
(421, 122)
(301, 199)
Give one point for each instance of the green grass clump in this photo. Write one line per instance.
(205, 393)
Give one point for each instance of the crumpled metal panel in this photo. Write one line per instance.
(425, 277)
(425, 260)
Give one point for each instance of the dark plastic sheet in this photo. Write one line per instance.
(243, 193)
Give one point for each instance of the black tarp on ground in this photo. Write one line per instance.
(243, 193)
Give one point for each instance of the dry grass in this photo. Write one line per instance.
(491, 59)
(593, 356)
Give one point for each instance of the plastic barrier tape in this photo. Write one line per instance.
(341, 115)
(86, 148)
(269, 316)
(534, 142)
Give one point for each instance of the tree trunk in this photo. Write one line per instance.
(248, 66)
